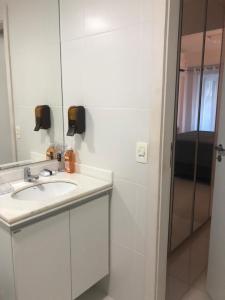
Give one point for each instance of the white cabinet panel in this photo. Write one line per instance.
(6, 266)
(89, 227)
(42, 260)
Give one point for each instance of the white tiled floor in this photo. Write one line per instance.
(198, 290)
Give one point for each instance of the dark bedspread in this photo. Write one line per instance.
(185, 155)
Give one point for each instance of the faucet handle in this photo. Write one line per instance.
(28, 177)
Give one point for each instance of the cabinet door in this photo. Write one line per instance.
(7, 286)
(41, 254)
(89, 227)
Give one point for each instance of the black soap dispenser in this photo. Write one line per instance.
(76, 120)
(42, 117)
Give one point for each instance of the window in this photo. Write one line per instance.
(188, 110)
(209, 100)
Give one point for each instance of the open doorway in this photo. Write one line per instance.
(195, 135)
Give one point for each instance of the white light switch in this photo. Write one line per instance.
(142, 153)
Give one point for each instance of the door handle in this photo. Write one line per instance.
(221, 152)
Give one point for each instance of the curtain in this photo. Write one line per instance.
(188, 101)
(195, 88)
(188, 106)
(209, 100)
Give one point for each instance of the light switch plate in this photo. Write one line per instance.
(18, 132)
(142, 152)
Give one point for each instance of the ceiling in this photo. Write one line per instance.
(193, 42)
(192, 45)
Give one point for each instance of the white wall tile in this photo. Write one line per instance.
(151, 10)
(127, 274)
(90, 17)
(107, 15)
(128, 217)
(73, 70)
(109, 66)
(110, 141)
(72, 19)
(152, 64)
(114, 68)
(147, 10)
(111, 69)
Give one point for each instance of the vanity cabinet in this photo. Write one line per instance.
(89, 229)
(57, 257)
(41, 256)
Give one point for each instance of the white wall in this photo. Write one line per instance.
(5, 130)
(112, 63)
(1, 9)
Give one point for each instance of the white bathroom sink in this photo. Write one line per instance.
(44, 190)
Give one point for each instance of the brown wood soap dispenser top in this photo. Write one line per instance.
(76, 120)
(42, 117)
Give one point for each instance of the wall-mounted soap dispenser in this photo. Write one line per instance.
(76, 120)
(42, 117)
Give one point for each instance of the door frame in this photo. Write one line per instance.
(171, 58)
(167, 131)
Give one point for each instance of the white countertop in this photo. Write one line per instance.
(13, 211)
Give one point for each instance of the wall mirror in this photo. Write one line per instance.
(30, 76)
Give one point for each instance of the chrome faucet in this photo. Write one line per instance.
(28, 177)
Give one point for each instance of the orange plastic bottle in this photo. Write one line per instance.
(69, 158)
(50, 153)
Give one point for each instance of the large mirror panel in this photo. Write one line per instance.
(208, 110)
(30, 80)
(197, 102)
(192, 43)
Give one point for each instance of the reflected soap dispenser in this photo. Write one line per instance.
(50, 153)
(42, 117)
(76, 120)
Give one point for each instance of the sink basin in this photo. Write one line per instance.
(45, 190)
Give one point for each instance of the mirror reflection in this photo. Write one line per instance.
(199, 75)
(30, 80)
(207, 118)
(192, 42)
